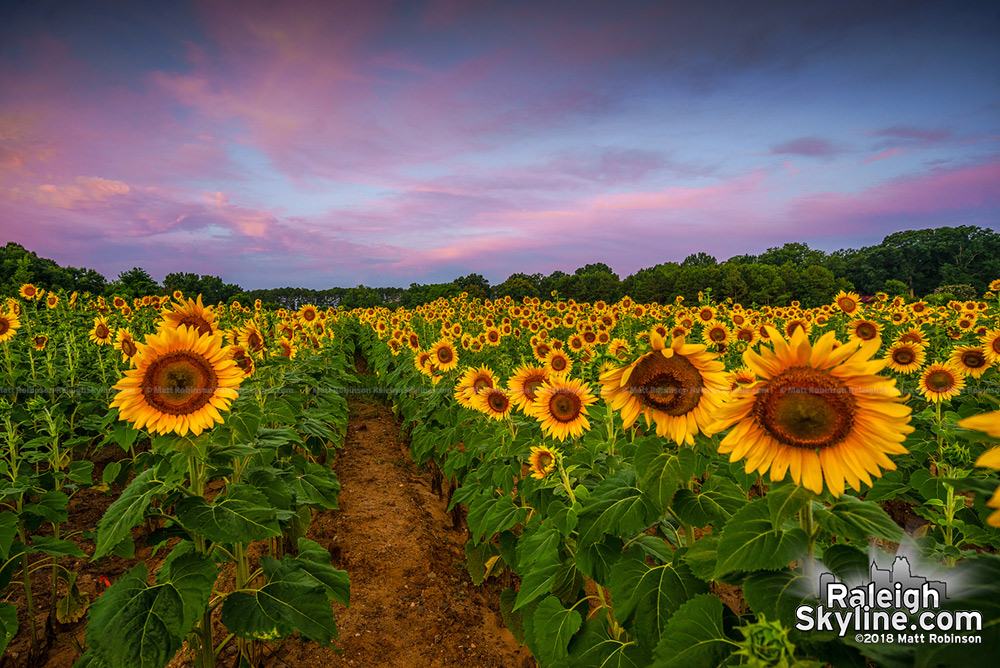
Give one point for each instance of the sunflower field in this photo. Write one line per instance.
(644, 484)
(219, 445)
(660, 485)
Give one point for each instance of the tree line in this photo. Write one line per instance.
(958, 261)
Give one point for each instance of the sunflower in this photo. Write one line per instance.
(190, 314)
(492, 336)
(863, 330)
(905, 357)
(678, 386)
(558, 362)
(524, 384)
(181, 382)
(971, 360)
(28, 291)
(941, 382)
(746, 334)
(444, 355)
(990, 341)
(819, 411)
(847, 302)
(9, 323)
(286, 348)
(52, 300)
(473, 382)
(913, 335)
(39, 341)
(308, 314)
(101, 333)
(989, 423)
(561, 407)
(126, 344)
(420, 360)
(741, 377)
(413, 341)
(542, 461)
(118, 303)
(619, 348)
(251, 338)
(493, 401)
(243, 360)
(713, 333)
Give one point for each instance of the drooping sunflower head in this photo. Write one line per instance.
(251, 338)
(192, 313)
(820, 411)
(678, 386)
(971, 360)
(561, 407)
(243, 360)
(286, 348)
(941, 382)
(125, 343)
(181, 382)
(9, 324)
(905, 357)
(542, 461)
(52, 300)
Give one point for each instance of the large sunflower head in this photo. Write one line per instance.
(561, 407)
(192, 313)
(820, 411)
(251, 338)
(678, 386)
(524, 384)
(990, 341)
(493, 401)
(847, 302)
(864, 330)
(941, 381)
(971, 360)
(558, 362)
(542, 461)
(181, 381)
(28, 291)
(473, 382)
(9, 323)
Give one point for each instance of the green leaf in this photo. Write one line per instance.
(242, 515)
(650, 594)
(8, 529)
(594, 648)
(856, 519)
(848, 563)
(511, 617)
(786, 499)
(564, 517)
(537, 581)
(81, 472)
(598, 560)
(193, 575)
(110, 472)
(126, 512)
(702, 557)
(316, 486)
(540, 545)
(751, 542)
(617, 507)
(890, 486)
(476, 557)
(8, 624)
(134, 625)
(244, 420)
(661, 471)
(50, 505)
(55, 548)
(695, 636)
(290, 601)
(500, 515)
(776, 594)
(314, 560)
(714, 504)
(73, 606)
(554, 628)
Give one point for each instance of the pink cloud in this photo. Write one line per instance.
(883, 155)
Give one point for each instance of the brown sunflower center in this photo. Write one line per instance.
(995, 345)
(481, 383)
(493, 336)
(589, 337)
(543, 460)
(4, 325)
(558, 363)
(180, 382)
(940, 381)
(805, 408)
(744, 335)
(445, 355)
(910, 337)
(670, 385)
(717, 334)
(866, 331)
(198, 323)
(254, 342)
(498, 401)
(846, 304)
(973, 359)
(565, 406)
(128, 347)
(903, 356)
(530, 387)
(102, 331)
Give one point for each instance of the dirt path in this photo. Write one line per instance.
(412, 603)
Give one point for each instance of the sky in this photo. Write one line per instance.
(322, 144)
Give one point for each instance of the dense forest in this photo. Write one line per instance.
(947, 261)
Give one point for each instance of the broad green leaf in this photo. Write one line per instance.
(655, 547)
(564, 516)
(193, 575)
(786, 499)
(127, 512)
(702, 557)
(554, 628)
(476, 557)
(50, 505)
(695, 636)
(776, 594)
(661, 469)
(8, 529)
(73, 606)
(81, 472)
(890, 486)
(244, 420)
(8, 624)
(537, 581)
(541, 545)
(134, 625)
(594, 648)
(241, 515)
(316, 562)
(848, 563)
(617, 507)
(713, 504)
(55, 548)
(856, 519)
(598, 560)
(750, 542)
(650, 594)
(316, 486)
(291, 601)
